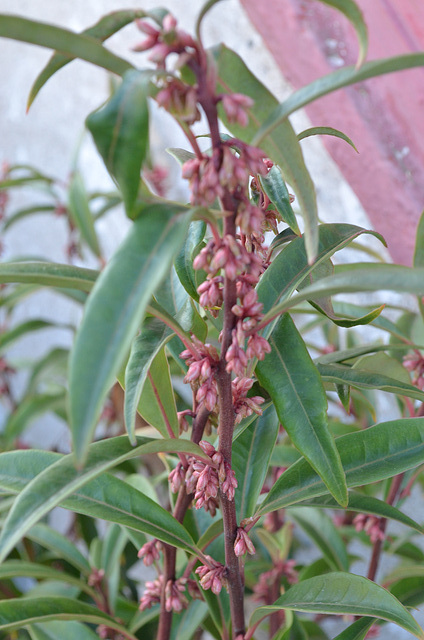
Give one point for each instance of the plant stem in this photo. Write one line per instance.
(378, 545)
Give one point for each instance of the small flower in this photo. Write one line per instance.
(243, 543)
(212, 576)
(152, 593)
(149, 552)
(175, 599)
(211, 292)
(244, 406)
(179, 100)
(236, 357)
(235, 106)
(257, 347)
(371, 525)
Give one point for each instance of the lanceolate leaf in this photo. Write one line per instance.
(120, 130)
(327, 131)
(293, 382)
(333, 81)
(19, 568)
(251, 454)
(81, 214)
(283, 147)
(54, 478)
(365, 504)
(145, 347)
(359, 277)
(184, 260)
(290, 267)
(346, 594)
(61, 546)
(62, 40)
(114, 312)
(375, 454)
(356, 631)
(102, 30)
(48, 274)
(17, 613)
(364, 379)
(31, 408)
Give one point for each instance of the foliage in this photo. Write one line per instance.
(278, 426)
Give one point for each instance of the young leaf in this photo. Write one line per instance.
(17, 613)
(81, 214)
(283, 146)
(102, 30)
(251, 454)
(154, 334)
(294, 384)
(331, 82)
(345, 594)
(67, 42)
(114, 312)
(276, 190)
(120, 130)
(380, 452)
(327, 131)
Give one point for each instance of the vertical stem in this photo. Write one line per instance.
(226, 428)
(376, 552)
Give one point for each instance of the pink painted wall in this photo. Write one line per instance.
(383, 116)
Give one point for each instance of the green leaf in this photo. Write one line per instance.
(409, 591)
(331, 82)
(157, 401)
(364, 379)
(114, 312)
(356, 631)
(120, 130)
(283, 147)
(320, 528)
(250, 459)
(29, 409)
(343, 593)
(290, 267)
(61, 546)
(294, 384)
(25, 213)
(365, 504)
(154, 334)
(44, 488)
(380, 452)
(64, 41)
(28, 326)
(353, 13)
(276, 190)
(326, 131)
(102, 30)
(80, 212)
(17, 613)
(48, 274)
(189, 621)
(184, 260)
(354, 279)
(18, 568)
(61, 630)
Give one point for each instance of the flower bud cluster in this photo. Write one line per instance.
(212, 575)
(152, 593)
(371, 526)
(244, 406)
(243, 543)
(415, 364)
(264, 588)
(163, 41)
(149, 552)
(200, 374)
